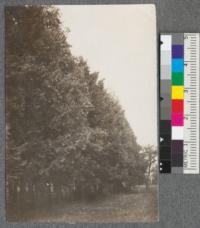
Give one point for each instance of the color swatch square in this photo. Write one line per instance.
(177, 153)
(165, 72)
(177, 119)
(166, 42)
(177, 65)
(165, 166)
(177, 92)
(177, 106)
(177, 51)
(165, 58)
(177, 78)
(177, 132)
(177, 146)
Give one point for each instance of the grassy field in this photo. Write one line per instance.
(134, 207)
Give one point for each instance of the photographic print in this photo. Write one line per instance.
(81, 113)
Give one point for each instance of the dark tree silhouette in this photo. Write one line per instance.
(149, 154)
(67, 137)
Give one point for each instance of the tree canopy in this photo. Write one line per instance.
(63, 127)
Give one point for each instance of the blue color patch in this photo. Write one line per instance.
(177, 51)
(177, 65)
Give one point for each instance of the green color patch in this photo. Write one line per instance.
(177, 78)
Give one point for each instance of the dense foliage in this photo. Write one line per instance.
(65, 132)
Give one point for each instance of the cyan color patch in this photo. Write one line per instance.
(177, 65)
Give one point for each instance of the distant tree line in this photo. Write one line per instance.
(66, 135)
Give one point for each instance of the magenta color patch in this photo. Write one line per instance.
(177, 119)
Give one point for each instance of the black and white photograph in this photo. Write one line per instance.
(81, 113)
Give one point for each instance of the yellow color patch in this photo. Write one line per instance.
(177, 92)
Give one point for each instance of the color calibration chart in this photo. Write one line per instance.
(179, 103)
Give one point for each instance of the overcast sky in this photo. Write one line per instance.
(120, 43)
